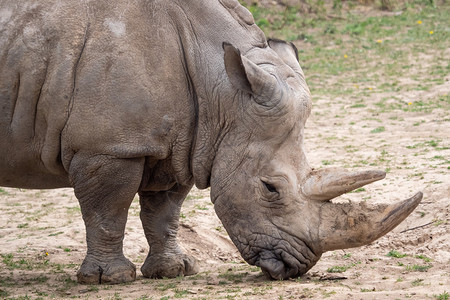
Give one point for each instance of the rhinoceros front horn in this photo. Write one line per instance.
(347, 225)
(355, 224)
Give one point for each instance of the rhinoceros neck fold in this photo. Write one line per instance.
(209, 88)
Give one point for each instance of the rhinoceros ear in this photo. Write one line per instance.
(246, 75)
(284, 49)
(287, 52)
(235, 68)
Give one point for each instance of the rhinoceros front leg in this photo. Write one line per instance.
(105, 187)
(160, 213)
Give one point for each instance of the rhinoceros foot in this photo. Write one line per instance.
(169, 265)
(115, 271)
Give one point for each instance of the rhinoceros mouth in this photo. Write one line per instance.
(280, 265)
(283, 260)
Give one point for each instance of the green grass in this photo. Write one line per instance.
(166, 286)
(40, 262)
(180, 293)
(358, 105)
(443, 296)
(418, 268)
(337, 269)
(396, 254)
(56, 233)
(341, 269)
(378, 129)
(3, 293)
(233, 276)
(11, 263)
(200, 207)
(417, 282)
(424, 258)
(24, 225)
(349, 45)
(359, 190)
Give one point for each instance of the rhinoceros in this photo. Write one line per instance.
(150, 97)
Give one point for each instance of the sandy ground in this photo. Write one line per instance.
(42, 239)
(42, 235)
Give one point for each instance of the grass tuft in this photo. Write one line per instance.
(396, 254)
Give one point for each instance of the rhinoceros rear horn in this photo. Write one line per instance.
(326, 184)
(246, 75)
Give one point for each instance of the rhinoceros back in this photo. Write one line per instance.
(38, 58)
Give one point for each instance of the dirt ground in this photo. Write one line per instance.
(42, 235)
(42, 240)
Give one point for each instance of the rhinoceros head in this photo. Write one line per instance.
(275, 207)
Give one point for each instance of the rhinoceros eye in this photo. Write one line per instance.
(270, 187)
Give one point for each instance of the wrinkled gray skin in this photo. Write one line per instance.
(151, 97)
